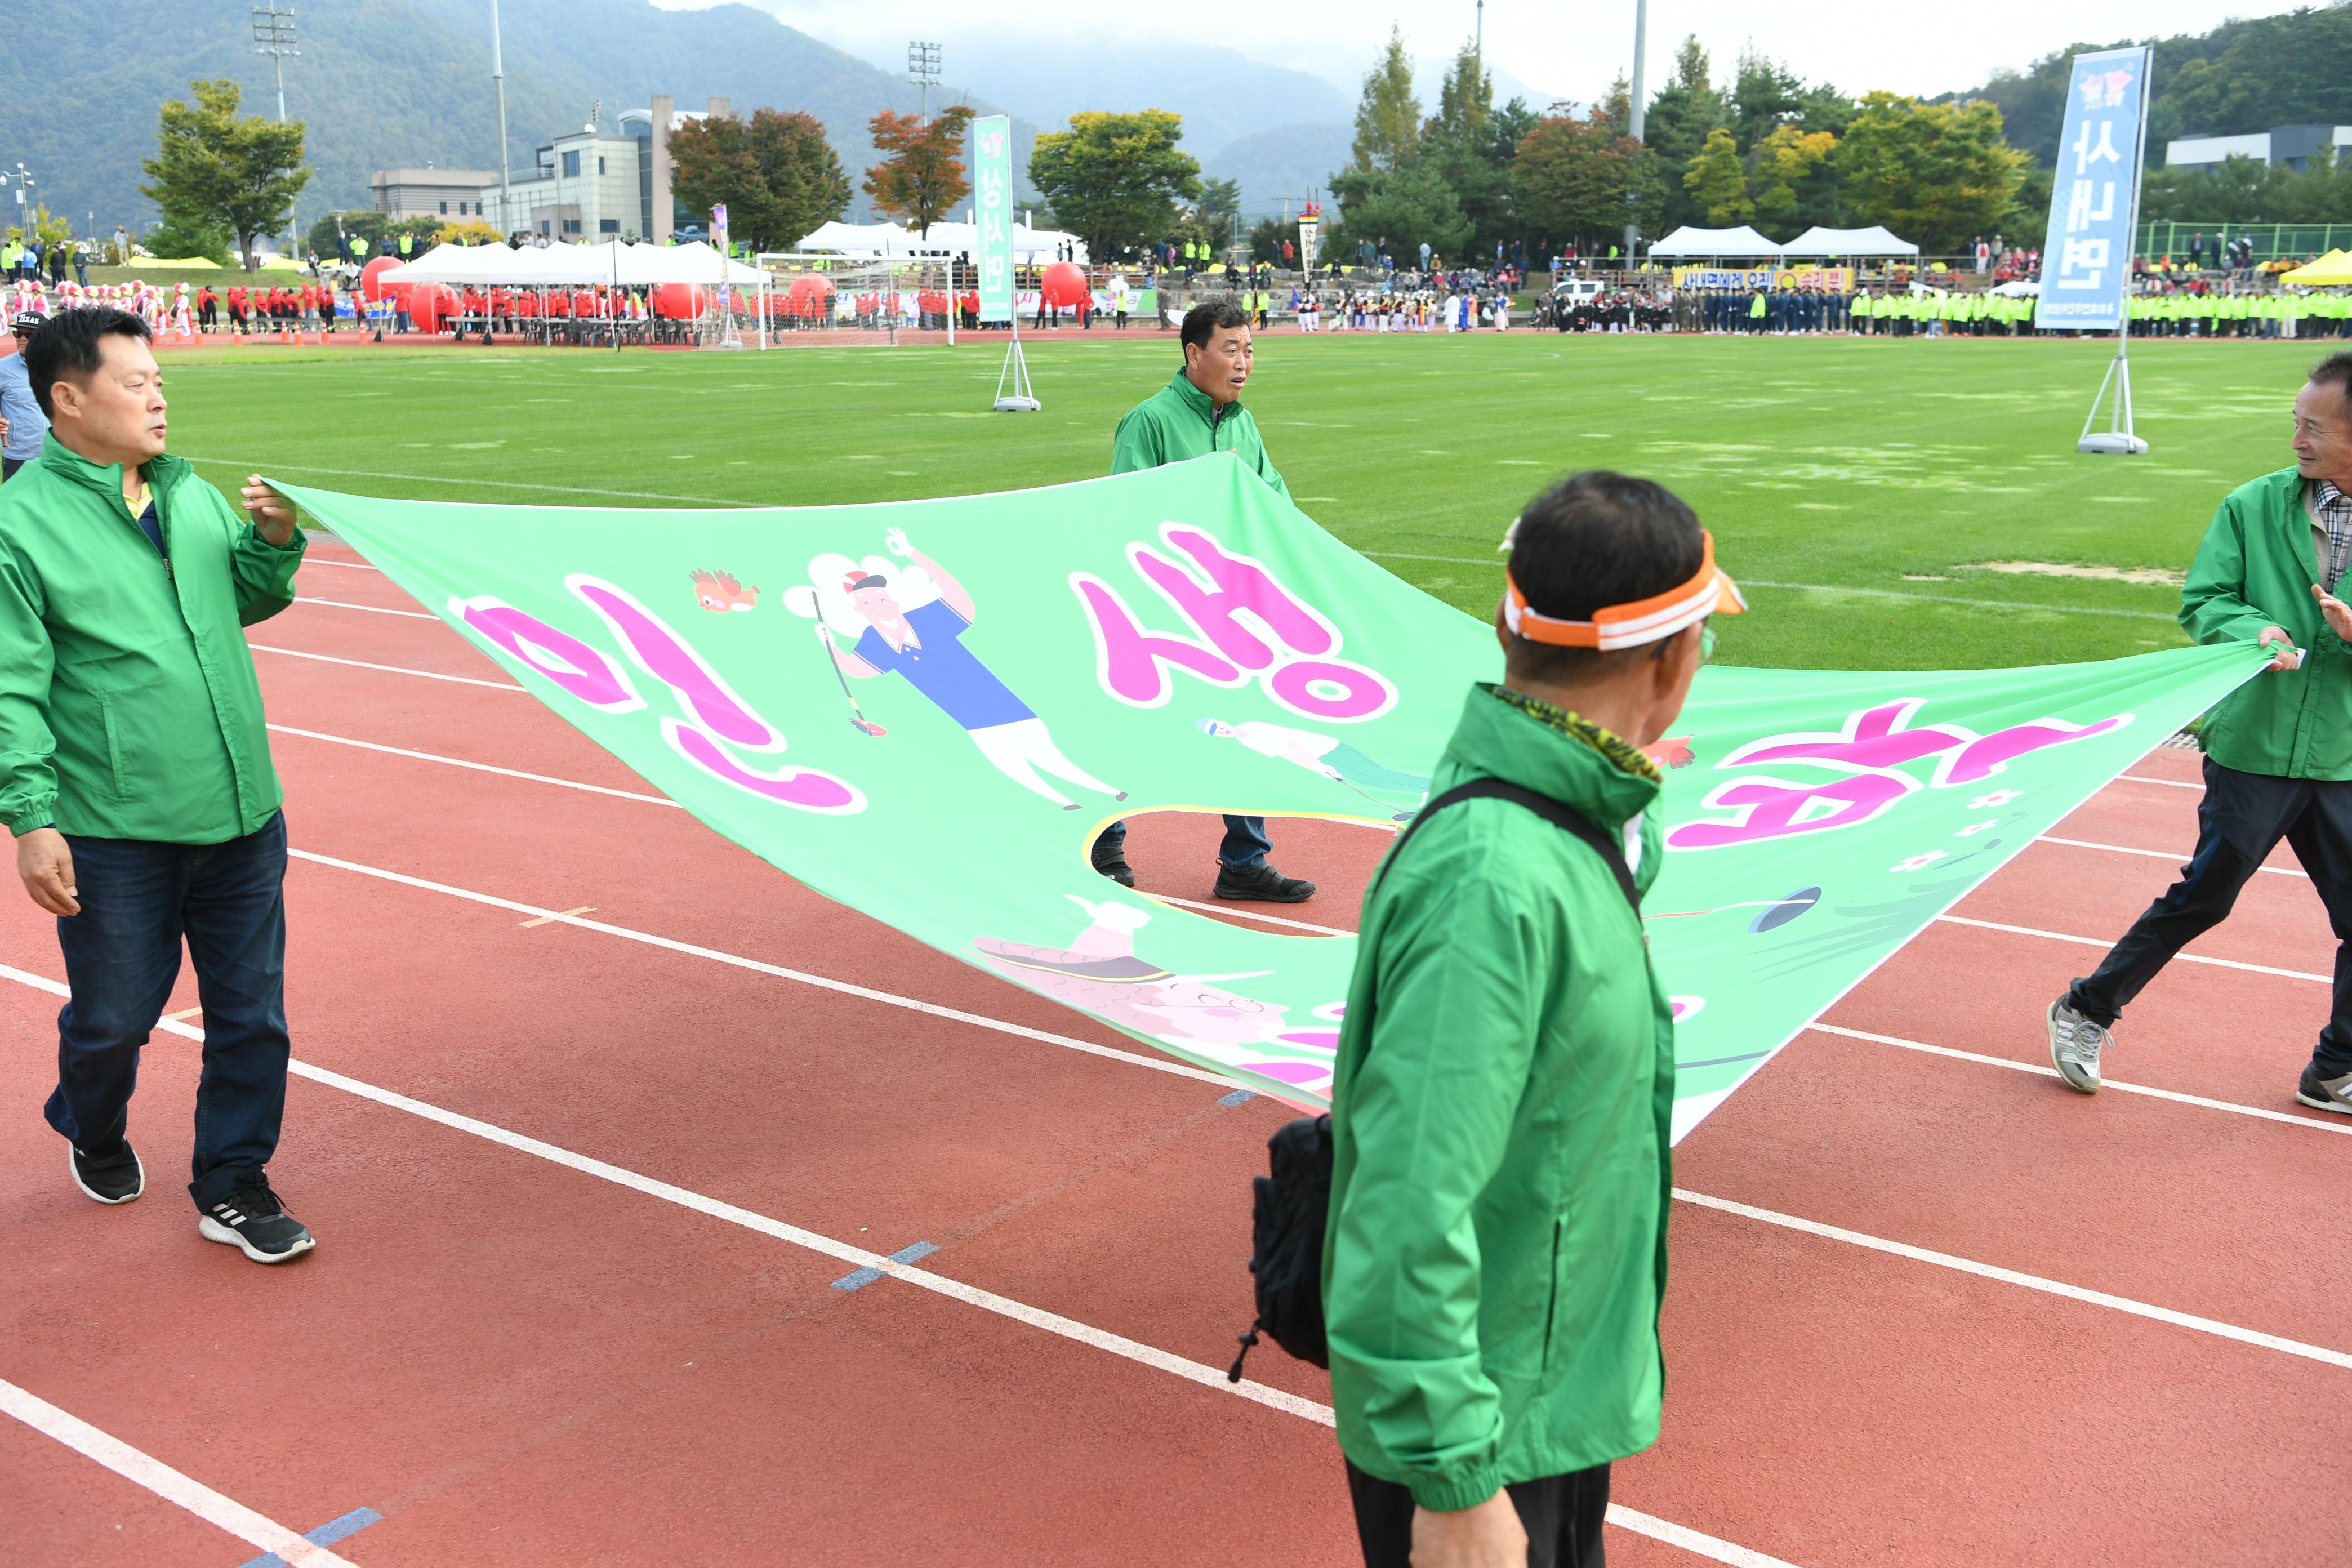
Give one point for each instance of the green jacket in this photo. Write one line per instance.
(1496, 1251)
(2256, 569)
(127, 703)
(1179, 422)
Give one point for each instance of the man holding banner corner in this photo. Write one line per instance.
(2278, 750)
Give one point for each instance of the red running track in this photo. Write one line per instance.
(622, 1342)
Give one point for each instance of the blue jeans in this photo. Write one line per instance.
(1245, 848)
(123, 954)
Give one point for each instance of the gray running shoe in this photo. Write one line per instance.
(2076, 1043)
(2324, 1093)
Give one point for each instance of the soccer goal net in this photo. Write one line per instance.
(848, 301)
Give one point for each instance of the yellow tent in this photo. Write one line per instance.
(2333, 271)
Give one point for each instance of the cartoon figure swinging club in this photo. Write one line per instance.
(911, 620)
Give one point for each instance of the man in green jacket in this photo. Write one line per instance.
(2278, 751)
(135, 772)
(1197, 413)
(1496, 1250)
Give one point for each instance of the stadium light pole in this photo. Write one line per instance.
(923, 70)
(273, 34)
(1633, 128)
(498, 77)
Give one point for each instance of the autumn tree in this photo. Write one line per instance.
(1388, 115)
(778, 177)
(1571, 176)
(923, 177)
(216, 170)
(1782, 161)
(1936, 174)
(1717, 183)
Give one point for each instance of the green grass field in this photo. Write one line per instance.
(1855, 483)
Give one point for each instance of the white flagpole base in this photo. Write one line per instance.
(2113, 442)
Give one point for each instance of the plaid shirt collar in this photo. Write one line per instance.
(2332, 509)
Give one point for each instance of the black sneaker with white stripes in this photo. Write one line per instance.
(110, 1175)
(252, 1220)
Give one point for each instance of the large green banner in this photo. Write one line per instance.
(928, 709)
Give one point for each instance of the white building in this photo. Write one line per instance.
(429, 193)
(2290, 144)
(591, 186)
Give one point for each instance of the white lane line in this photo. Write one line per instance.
(145, 1470)
(371, 609)
(1226, 909)
(2317, 1121)
(346, 565)
(1209, 1377)
(2107, 941)
(557, 917)
(2254, 1337)
(2168, 783)
(2159, 855)
(1831, 588)
(458, 479)
(476, 767)
(389, 668)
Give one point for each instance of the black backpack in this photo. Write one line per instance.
(1293, 1202)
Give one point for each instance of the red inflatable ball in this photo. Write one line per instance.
(428, 303)
(678, 301)
(809, 286)
(371, 284)
(1066, 284)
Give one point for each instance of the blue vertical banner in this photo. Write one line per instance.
(2094, 200)
(991, 186)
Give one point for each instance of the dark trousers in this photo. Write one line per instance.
(2238, 823)
(1561, 1514)
(8, 467)
(1245, 848)
(139, 900)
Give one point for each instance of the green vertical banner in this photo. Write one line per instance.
(928, 709)
(991, 186)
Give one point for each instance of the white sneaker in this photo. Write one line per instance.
(2076, 1043)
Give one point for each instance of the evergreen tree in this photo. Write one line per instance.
(1388, 115)
(1677, 127)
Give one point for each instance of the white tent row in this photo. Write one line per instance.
(958, 239)
(614, 262)
(1744, 241)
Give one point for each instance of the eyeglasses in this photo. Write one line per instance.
(1705, 645)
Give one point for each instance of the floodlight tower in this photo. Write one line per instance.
(923, 70)
(22, 179)
(1634, 125)
(273, 34)
(498, 77)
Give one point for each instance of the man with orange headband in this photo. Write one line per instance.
(1496, 1255)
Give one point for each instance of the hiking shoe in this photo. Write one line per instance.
(1112, 863)
(252, 1220)
(113, 1175)
(2319, 1094)
(1263, 883)
(2076, 1043)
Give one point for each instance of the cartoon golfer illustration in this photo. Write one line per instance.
(911, 622)
(1329, 755)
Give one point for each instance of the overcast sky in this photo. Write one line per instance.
(1569, 50)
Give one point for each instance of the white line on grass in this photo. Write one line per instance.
(388, 668)
(557, 917)
(1497, 561)
(2028, 1281)
(1205, 1376)
(2159, 855)
(476, 767)
(152, 1474)
(2315, 1122)
(459, 479)
(2106, 942)
(371, 609)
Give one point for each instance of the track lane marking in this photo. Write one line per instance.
(475, 767)
(2159, 855)
(2315, 1120)
(2220, 1329)
(2168, 783)
(390, 669)
(2106, 942)
(1209, 1377)
(144, 1470)
(1227, 908)
(346, 565)
(371, 609)
(557, 917)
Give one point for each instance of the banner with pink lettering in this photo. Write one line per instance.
(928, 709)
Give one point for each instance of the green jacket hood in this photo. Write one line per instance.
(1607, 778)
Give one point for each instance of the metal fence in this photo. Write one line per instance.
(2293, 241)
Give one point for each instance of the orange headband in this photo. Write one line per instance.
(1649, 620)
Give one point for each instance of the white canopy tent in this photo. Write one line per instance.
(1702, 243)
(575, 266)
(448, 263)
(958, 239)
(1871, 241)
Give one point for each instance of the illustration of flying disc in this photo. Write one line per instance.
(1780, 911)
